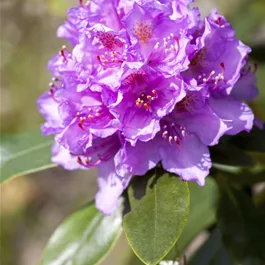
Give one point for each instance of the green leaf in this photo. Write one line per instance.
(244, 177)
(213, 252)
(156, 221)
(253, 141)
(225, 153)
(241, 224)
(24, 153)
(203, 202)
(84, 238)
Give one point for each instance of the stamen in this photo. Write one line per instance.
(110, 59)
(205, 80)
(51, 92)
(81, 126)
(223, 67)
(178, 46)
(62, 53)
(135, 78)
(174, 133)
(82, 119)
(102, 150)
(145, 100)
(108, 40)
(164, 134)
(218, 21)
(143, 30)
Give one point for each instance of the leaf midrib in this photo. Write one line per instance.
(88, 231)
(27, 151)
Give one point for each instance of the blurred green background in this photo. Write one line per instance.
(33, 206)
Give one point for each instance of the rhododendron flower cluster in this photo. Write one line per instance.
(145, 82)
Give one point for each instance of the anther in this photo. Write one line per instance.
(218, 21)
(178, 46)
(79, 160)
(223, 67)
(62, 53)
(205, 80)
(164, 134)
(80, 126)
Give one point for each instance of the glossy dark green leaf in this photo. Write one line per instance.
(203, 203)
(225, 153)
(244, 177)
(84, 238)
(241, 224)
(213, 252)
(257, 53)
(24, 153)
(253, 141)
(156, 221)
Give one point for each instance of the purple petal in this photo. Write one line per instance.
(235, 111)
(74, 138)
(48, 107)
(191, 161)
(139, 125)
(111, 187)
(206, 125)
(137, 160)
(245, 88)
(62, 157)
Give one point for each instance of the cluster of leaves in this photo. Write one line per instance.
(159, 213)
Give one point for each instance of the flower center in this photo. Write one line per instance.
(213, 78)
(143, 30)
(172, 132)
(191, 102)
(135, 78)
(199, 56)
(145, 100)
(91, 114)
(110, 58)
(108, 40)
(102, 150)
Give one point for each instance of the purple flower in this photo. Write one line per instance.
(144, 82)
